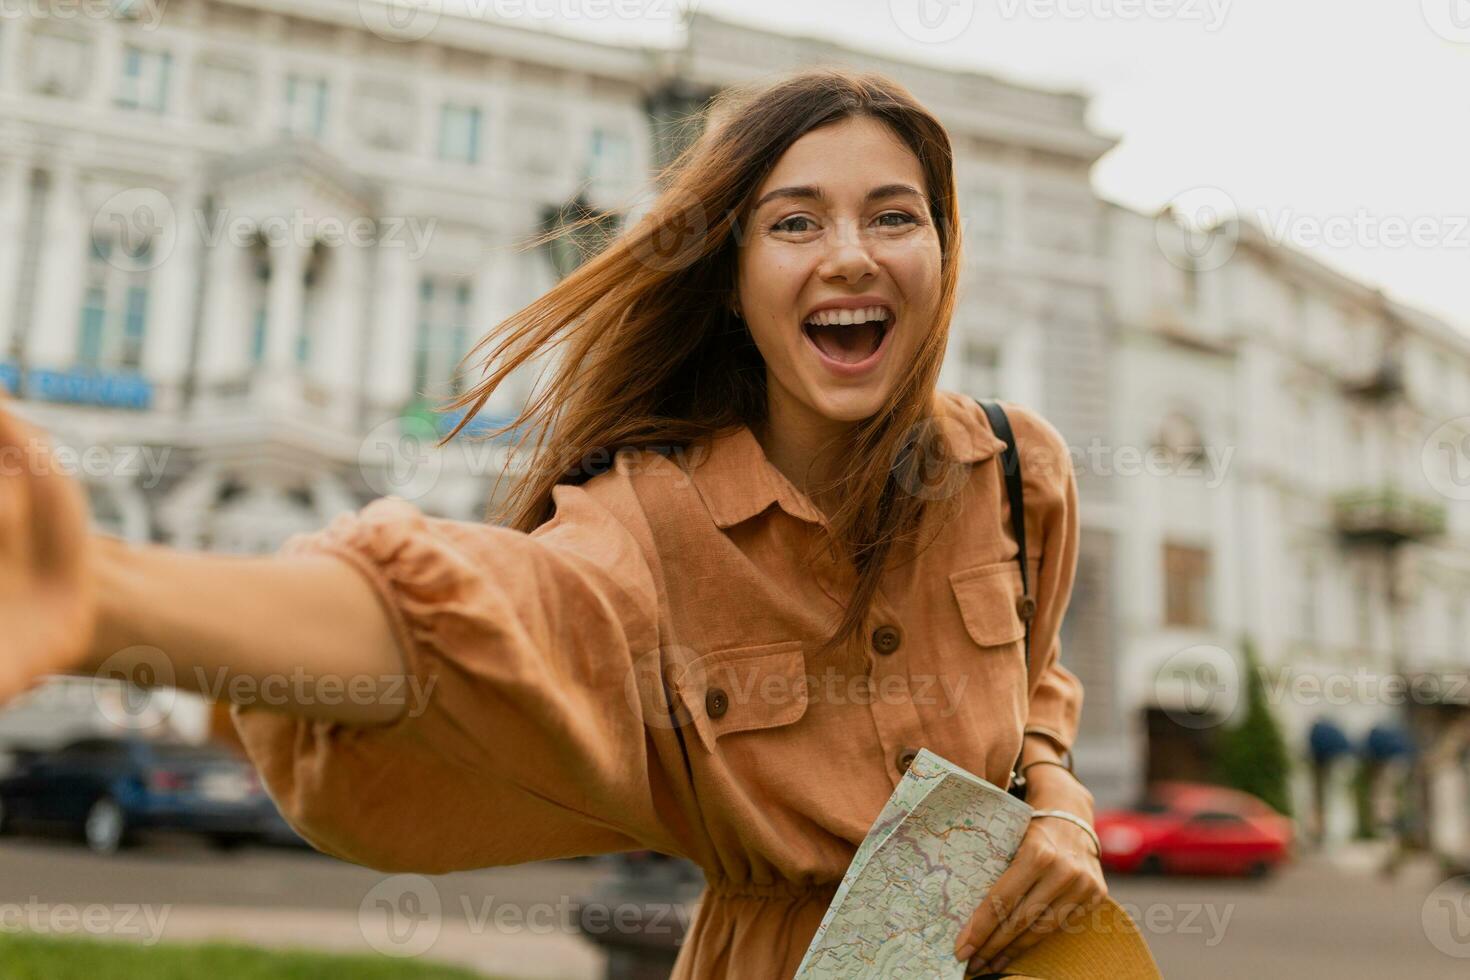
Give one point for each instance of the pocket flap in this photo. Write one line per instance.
(987, 597)
(744, 689)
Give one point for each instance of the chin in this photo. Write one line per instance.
(848, 405)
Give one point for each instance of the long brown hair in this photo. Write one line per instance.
(651, 354)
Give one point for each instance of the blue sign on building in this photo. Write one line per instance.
(106, 389)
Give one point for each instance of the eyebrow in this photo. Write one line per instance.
(808, 192)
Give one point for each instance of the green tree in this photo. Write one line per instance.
(1251, 755)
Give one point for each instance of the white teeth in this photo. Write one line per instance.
(846, 317)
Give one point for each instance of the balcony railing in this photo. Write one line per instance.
(1387, 515)
(1385, 381)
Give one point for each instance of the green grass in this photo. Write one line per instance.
(30, 957)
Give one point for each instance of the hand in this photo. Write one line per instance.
(1054, 879)
(47, 597)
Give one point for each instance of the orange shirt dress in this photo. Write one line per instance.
(635, 673)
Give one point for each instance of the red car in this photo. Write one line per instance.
(1193, 828)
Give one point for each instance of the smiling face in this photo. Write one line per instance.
(842, 220)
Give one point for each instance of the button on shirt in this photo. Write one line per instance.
(639, 672)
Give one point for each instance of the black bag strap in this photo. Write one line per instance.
(1010, 462)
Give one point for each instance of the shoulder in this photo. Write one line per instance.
(1046, 458)
(1037, 439)
(627, 480)
(628, 497)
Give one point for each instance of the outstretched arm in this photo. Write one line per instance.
(308, 628)
(302, 633)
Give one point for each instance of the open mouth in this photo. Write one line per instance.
(849, 336)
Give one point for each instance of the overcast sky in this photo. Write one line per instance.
(1343, 127)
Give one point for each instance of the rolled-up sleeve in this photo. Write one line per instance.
(524, 735)
(1051, 503)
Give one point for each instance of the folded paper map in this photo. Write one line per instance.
(942, 839)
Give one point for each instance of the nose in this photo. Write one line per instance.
(848, 258)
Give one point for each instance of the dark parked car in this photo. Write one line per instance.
(106, 788)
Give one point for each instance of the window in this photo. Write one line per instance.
(311, 305)
(611, 158)
(60, 64)
(1307, 617)
(114, 316)
(1455, 619)
(306, 106)
(459, 133)
(1180, 437)
(978, 369)
(259, 304)
(1301, 436)
(442, 337)
(225, 93)
(1363, 597)
(982, 216)
(1186, 585)
(144, 83)
(1296, 312)
(539, 142)
(384, 113)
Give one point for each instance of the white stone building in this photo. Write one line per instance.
(1309, 494)
(247, 240)
(248, 237)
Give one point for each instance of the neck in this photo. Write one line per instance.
(804, 445)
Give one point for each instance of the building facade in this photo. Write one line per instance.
(1306, 497)
(248, 247)
(250, 243)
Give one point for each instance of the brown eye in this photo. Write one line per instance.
(782, 225)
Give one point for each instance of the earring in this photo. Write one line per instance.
(737, 313)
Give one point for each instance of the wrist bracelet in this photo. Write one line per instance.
(1063, 751)
(1048, 762)
(1018, 778)
(1070, 817)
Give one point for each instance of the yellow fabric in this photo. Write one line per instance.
(1107, 943)
(637, 673)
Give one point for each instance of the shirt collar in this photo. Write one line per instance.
(737, 481)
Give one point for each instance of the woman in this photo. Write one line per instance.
(756, 561)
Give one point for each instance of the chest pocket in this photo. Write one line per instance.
(742, 689)
(989, 597)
